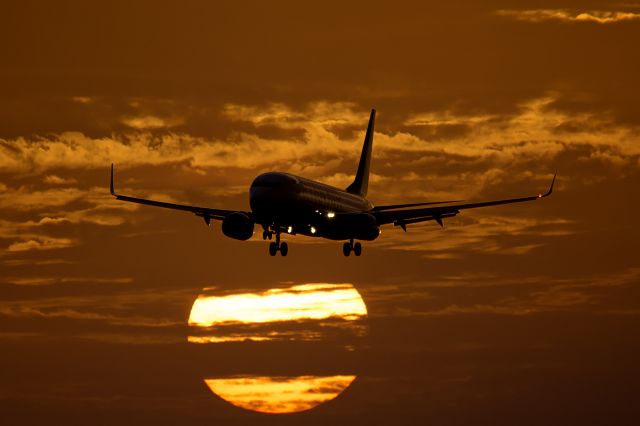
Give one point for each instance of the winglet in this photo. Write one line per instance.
(553, 181)
(111, 186)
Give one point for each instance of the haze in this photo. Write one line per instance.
(523, 314)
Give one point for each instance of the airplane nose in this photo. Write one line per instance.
(270, 189)
(274, 181)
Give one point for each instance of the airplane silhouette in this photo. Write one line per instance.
(284, 203)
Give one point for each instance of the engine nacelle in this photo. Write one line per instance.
(238, 226)
(364, 227)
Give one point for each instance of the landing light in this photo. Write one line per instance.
(331, 215)
(290, 229)
(313, 230)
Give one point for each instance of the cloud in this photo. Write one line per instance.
(534, 130)
(448, 118)
(83, 99)
(133, 338)
(36, 262)
(56, 207)
(477, 233)
(57, 180)
(119, 309)
(499, 294)
(324, 114)
(497, 151)
(41, 243)
(73, 150)
(148, 122)
(68, 205)
(553, 298)
(37, 281)
(25, 198)
(563, 15)
(23, 236)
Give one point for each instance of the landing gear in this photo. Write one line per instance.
(273, 249)
(349, 246)
(357, 249)
(267, 235)
(276, 246)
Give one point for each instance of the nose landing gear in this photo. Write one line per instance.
(349, 247)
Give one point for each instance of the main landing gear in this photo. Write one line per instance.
(349, 247)
(276, 246)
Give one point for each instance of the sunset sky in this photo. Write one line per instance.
(523, 314)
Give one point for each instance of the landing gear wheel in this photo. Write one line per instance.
(273, 249)
(266, 234)
(357, 249)
(284, 249)
(346, 249)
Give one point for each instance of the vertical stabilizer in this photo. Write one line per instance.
(361, 182)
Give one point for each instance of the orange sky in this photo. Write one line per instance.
(524, 314)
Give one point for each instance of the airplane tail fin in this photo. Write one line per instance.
(361, 182)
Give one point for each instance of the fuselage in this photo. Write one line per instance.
(304, 206)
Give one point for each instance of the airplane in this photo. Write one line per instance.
(282, 203)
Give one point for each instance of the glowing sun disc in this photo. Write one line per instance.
(306, 301)
(330, 316)
(279, 394)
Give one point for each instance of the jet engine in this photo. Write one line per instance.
(238, 226)
(364, 227)
(361, 226)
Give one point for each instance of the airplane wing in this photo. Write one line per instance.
(400, 206)
(402, 217)
(205, 212)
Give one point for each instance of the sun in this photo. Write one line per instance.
(332, 317)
